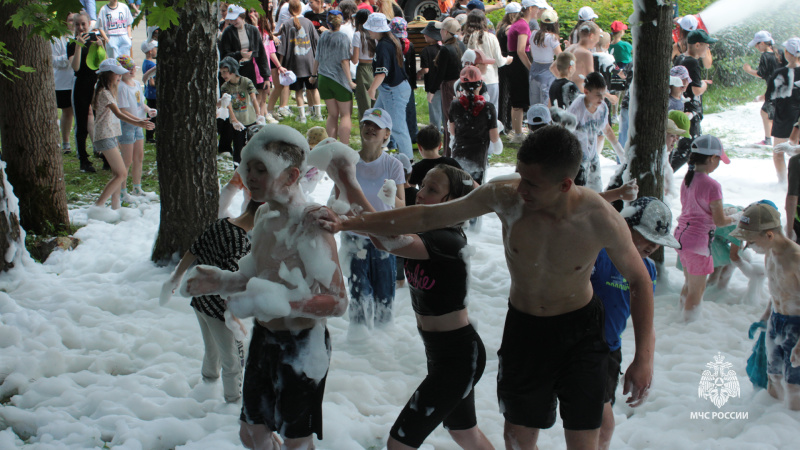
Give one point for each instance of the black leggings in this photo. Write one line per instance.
(82, 92)
(456, 360)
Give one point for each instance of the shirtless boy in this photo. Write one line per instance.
(553, 232)
(290, 282)
(589, 34)
(760, 226)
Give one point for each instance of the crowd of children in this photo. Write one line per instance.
(565, 95)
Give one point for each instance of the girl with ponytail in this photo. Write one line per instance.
(701, 213)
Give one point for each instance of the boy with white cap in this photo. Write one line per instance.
(760, 226)
(649, 221)
(767, 64)
(784, 92)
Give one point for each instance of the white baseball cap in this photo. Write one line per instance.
(234, 11)
(111, 65)
(378, 116)
(587, 13)
(761, 36)
(688, 23)
(793, 46)
(513, 8)
(538, 114)
(541, 4)
(528, 3)
(149, 45)
(710, 145)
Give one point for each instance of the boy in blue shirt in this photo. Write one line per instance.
(649, 221)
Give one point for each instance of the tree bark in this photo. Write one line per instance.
(186, 139)
(29, 131)
(649, 99)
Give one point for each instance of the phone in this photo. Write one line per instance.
(92, 36)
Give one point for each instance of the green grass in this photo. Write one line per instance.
(720, 98)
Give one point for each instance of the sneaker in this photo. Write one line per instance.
(518, 138)
(302, 119)
(138, 191)
(270, 118)
(318, 118)
(128, 198)
(285, 112)
(66, 151)
(87, 167)
(765, 142)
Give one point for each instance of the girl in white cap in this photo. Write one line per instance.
(767, 64)
(389, 80)
(106, 129)
(783, 91)
(701, 214)
(585, 14)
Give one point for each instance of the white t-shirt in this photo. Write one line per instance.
(131, 99)
(491, 48)
(589, 125)
(350, 31)
(62, 71)
(371, 176)
(363, 53)
(284, 15)
(115, 21)
(545, 54)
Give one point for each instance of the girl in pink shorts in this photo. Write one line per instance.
(701, 213)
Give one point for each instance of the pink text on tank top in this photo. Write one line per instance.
(419, 281)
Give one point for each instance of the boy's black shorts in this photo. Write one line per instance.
(614, 371)
(544, 360)
(274, 393)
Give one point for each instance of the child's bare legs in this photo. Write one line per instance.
(332, 123)
(261, 98)
(298, 97)
(695, 287)
(277, 90)
(313, 101)
(127, 157)
(767, 124)
(725, 276)
(345, 123)
(472, 438)
(137, 162)
(788, 393)
(66, 126)
(118, 176)
(779, 160)
(607, 428)
(516, 120)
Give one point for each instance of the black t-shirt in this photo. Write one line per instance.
(563, 92)
(471, 148)
(794, 181)
(421, 168)
(438, 285)
(783, 91)
(426, 57)
(448, 62)
(411, 196)
(84, 73)
(767, 65)
(695, 103)
(318, 19)
(410, 58)
(385, 62)
(221, 245)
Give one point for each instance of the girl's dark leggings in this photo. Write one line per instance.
(82, 92)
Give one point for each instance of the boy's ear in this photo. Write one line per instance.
(294, 175)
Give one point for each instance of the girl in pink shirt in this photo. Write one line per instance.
(701, 213)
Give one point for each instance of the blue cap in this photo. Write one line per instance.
(475, 4)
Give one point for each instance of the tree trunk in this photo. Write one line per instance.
(12, 245)
(649, 102)
(187, 136)
(29, 131)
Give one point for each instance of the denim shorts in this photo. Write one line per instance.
(131, 134)
(103, 145)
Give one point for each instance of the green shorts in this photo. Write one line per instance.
(329, 89)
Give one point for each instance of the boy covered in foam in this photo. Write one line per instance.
(760, 226)
(290, 283)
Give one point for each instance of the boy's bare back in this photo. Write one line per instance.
(783, 273)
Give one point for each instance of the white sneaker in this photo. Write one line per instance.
(318, 118)
(270, 119)
(302, 119)
(129, 199)
(137, 190)
(285, 112)
(103, 214)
